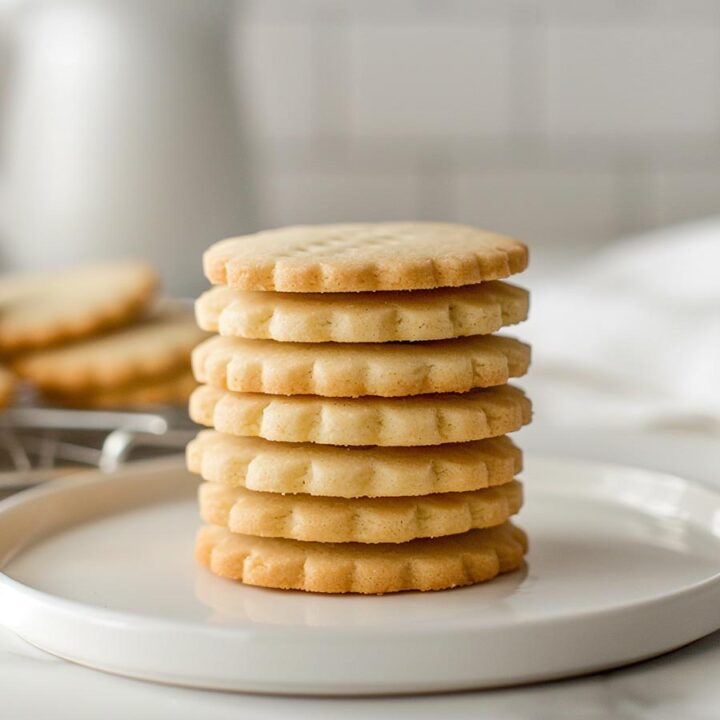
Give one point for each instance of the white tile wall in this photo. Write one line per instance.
(633, 80)
(430, 80)
(683, 196)
(557, 210)
(327, 196)
(566, 122)
(275, 63)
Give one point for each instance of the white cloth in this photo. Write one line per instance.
(631, 336)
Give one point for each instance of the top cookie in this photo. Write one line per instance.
(47, 308)
(363, 256)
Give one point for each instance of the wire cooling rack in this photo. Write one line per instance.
(41, 443)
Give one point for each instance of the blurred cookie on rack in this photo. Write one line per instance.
(47, 308)
(7, 386)
(172, 390)
(143, 363)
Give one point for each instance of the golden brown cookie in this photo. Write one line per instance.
(362, 317)
(403, 422)
(327, 470)
(156, 346)
(425, 564)
(51, 307)
(363, 520)
(363, 256)
(7, 386)
(165, 390)
(337, 370)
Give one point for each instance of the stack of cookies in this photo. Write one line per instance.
(360, 408)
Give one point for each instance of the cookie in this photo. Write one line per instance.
(382, 369)
(51, 307)
(7, 386)
(326, 470)
(404, 422)
(165, 390)
(364, 256)
(362, 317)
(158, 345)
(362, 520)
(425, 564)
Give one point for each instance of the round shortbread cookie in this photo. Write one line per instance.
(363, 520)
(363, 256)
(7, 386)
(425, 564)
(161, 344)
(164, 390)
(381, 369)
(327, 470)
(403, 422)
(47, 308)
(362, 317)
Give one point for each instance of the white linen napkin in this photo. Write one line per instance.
(631, 336)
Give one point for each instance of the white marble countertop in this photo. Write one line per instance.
(683, 684)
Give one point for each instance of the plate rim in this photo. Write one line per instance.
(244, 658)
(92, 478)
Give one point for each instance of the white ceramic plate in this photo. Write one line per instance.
(624, 565)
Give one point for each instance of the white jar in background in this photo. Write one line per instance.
(121, 136)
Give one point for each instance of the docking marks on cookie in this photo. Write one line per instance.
(362, 257)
